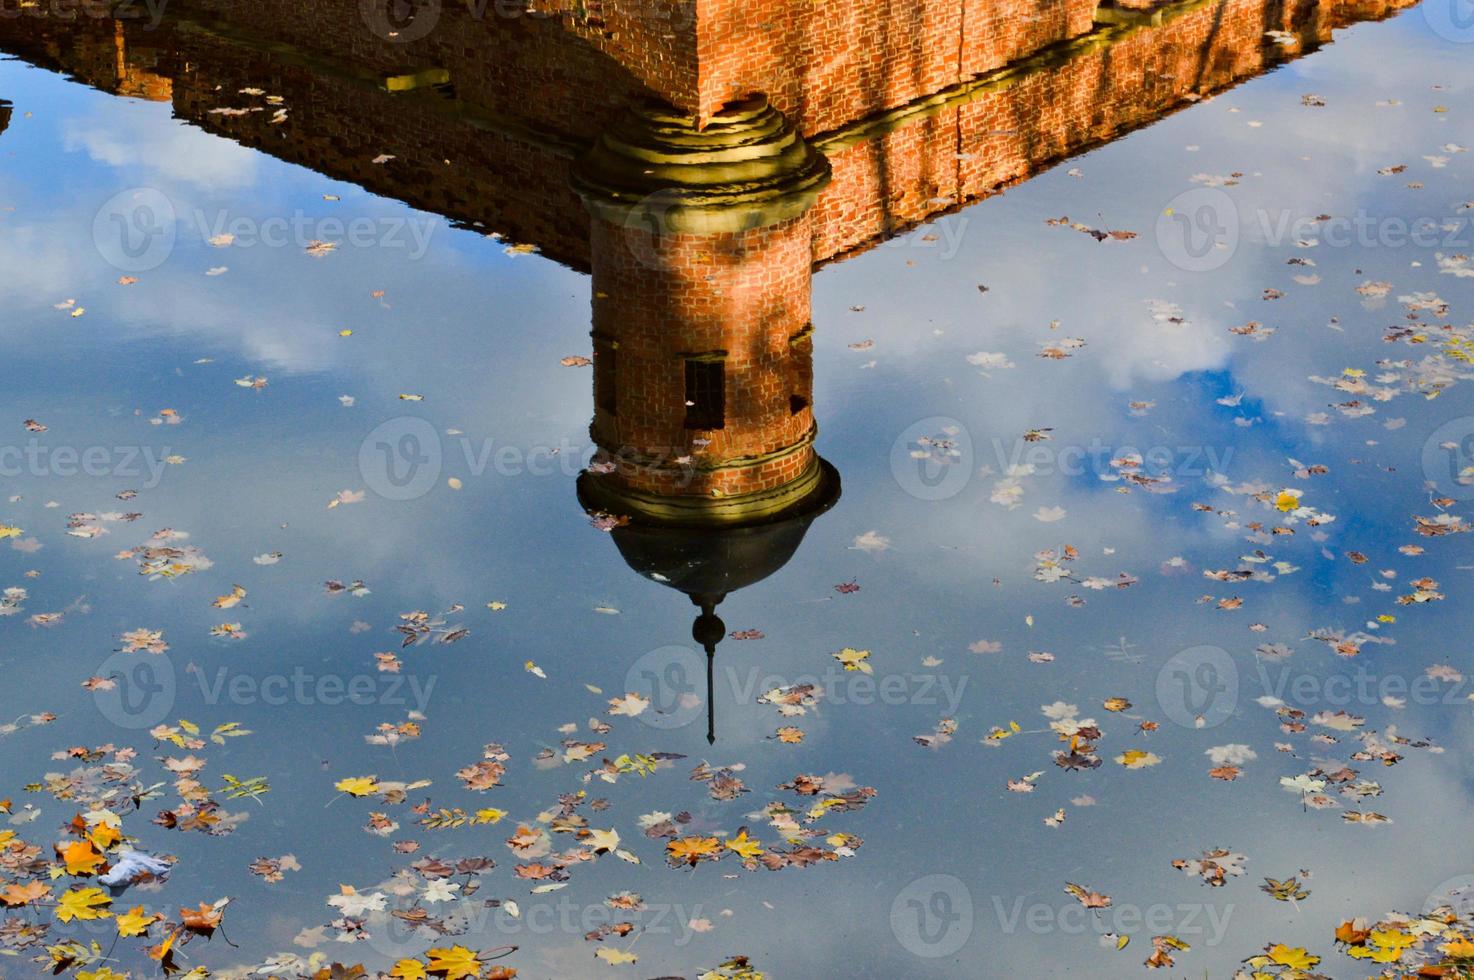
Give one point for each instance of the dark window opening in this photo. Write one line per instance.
(606, 392)
(706, 394)
(801, 345)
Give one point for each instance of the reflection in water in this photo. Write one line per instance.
(703, 348)
(702, 227)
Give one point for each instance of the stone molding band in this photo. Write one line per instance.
(748, 168)
(815, 491)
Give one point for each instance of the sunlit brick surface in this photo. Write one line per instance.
(657, 298)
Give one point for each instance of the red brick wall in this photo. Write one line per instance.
(339, 120)
(898, 179)
(827, 64)
(998, 33)
(658, 297)
(886, 184)
(824, 64)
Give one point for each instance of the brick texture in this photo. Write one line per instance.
(532, 91)
(899, 179)
(826, 64)
(658, 298)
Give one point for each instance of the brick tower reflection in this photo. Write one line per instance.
(703, 373)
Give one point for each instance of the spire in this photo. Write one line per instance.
(711, 705)
(708, 630)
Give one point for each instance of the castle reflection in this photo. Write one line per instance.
(624, 139)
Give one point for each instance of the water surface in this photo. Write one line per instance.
(1278, 589)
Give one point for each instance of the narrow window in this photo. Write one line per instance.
(706, 393)
(801, 352)
(606, 376)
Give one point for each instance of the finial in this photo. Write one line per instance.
(708, 630)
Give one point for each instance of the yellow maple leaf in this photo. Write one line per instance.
(10, 531)
(1295, 957)
(454, 963)
(745, 846)
(1377, 954)
(1287, 501)
(1459, 949)
(135, 922)
(1137, 759)
(409, 970)
(104, 835)
(855, 660)
(692, 849)
(1391, 938)
(358, 785)
(614, 956)
(84, 904)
